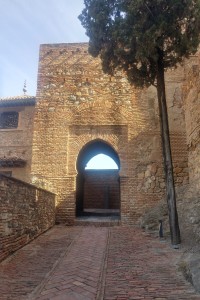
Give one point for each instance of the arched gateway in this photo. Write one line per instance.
(80, 112)
(97, 190)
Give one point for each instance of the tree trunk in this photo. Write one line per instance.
(167, 157)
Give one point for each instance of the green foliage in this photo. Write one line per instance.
(130, 34)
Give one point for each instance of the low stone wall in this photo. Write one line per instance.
(25, 213)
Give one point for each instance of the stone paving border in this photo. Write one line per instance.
(78, 274)
(102, 283)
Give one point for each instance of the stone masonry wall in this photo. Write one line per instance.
(189, 195)
(25, 212)
(77, 104)
(191, 90)
(184, 111)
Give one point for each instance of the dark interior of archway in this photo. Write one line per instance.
(97, 191)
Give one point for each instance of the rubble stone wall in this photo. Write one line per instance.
(192, 118)
(189, 195)
(25, 212)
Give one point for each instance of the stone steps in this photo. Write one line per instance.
(102, 221)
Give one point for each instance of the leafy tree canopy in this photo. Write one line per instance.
(130, 34)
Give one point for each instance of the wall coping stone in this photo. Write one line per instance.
(2, 176)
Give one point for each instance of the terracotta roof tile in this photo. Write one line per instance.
(18, 101)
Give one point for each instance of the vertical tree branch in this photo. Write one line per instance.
(166, 148)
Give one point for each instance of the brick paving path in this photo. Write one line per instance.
(141, 267)
(100, 263)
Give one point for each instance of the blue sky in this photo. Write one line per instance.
(24, 25)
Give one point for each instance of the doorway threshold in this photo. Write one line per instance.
(100, 212)
(98, 220)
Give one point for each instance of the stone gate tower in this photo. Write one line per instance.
(81, 111)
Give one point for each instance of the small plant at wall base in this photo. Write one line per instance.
(144, 38)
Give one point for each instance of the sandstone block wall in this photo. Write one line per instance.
(25, 212)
